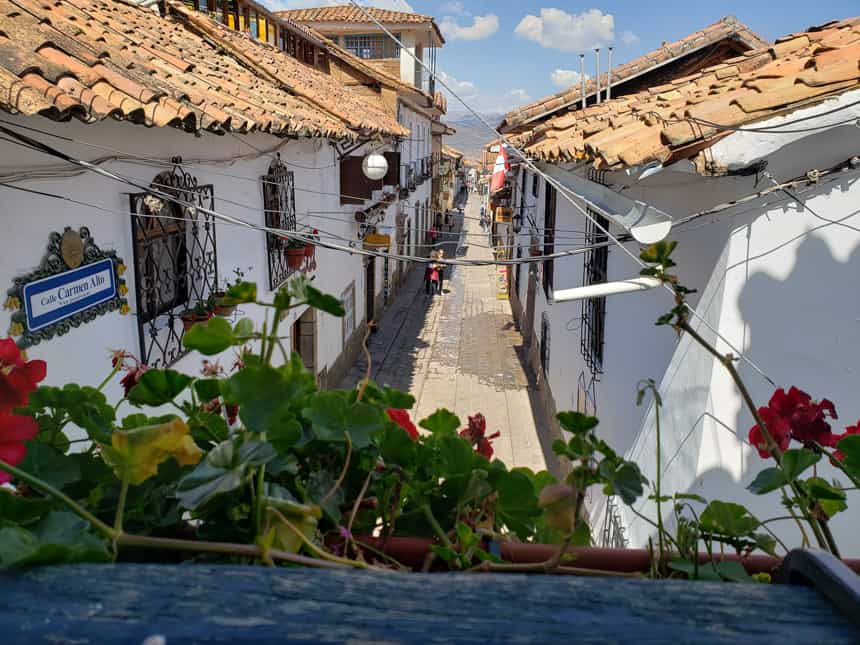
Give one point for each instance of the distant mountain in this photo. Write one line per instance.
(472, 135)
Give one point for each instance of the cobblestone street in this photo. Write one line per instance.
(460, 351)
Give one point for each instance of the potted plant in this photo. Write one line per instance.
(222, 305)
(200, 312)
(295, 252)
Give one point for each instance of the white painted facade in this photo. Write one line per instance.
(82, 355)
(775, 280)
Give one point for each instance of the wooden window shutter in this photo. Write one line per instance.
(393, 176)
(354, 186)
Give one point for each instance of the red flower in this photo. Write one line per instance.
(17, 377)
(14, 431)
(855, 429)
(133, 374)
(794, 415)
(401, 418)
(476, 434)
(232, 414)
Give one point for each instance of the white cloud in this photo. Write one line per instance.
(519, 96)
(453, 8)
(481, 27)
(566, 77)
(557, 29)
(629, 38)
(466, 89)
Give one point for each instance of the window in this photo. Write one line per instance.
(279, 202)
(175, 261)
(419, 70)
(535, 184)
(595, 265)
(369, 46)
(544, 343)
(549, 240)
(253, 24)
(348, 300)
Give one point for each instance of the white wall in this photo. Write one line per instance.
(82, 355)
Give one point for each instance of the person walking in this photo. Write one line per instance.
(441, 269)
(431, 275)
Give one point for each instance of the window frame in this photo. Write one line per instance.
(595, 269)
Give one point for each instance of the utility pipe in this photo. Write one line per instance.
(582, 78)
(609, 76)
(605, 289)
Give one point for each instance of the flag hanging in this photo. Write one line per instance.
(500, 170)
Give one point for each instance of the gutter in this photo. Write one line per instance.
(647, 224)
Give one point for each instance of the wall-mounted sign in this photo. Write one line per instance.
(50, 300)
(375, 241)
(75, 283)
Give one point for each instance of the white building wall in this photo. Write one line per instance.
(82, 355)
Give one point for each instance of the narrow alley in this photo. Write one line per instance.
(461, 351)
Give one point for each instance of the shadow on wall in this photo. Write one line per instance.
(803, 327)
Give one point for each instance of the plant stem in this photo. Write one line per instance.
(107, 380)
(120, 506)
(838, 464)
(431, 519)
(821, 534)
(660, 528)
(50, 491)
(226, 548)
(343, 471)
(367, 374)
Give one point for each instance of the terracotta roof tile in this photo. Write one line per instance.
(727, 28)
(98, 59)
(672, 120)
(352, 14)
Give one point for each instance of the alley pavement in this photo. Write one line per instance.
(460, 350)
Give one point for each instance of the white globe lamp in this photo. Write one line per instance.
(374, 166)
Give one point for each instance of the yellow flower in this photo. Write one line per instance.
(16, 329)
(12, 303)
(125, 309)
(123, 290)
(136, 454)
(120, 268)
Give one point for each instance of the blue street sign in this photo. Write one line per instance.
(55, 298)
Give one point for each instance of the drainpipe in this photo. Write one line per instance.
(605, 289)
(582, 77)
(609, 76)
(597, 75)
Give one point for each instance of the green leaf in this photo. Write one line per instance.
(285, 435)
(850, 447)
(517, 507)
(691, 497)
(732, 571)
(319, 483)
(456, 456)
(581, 534)
(266, 398)
(624, 479)
(706, 570)
(483, 556)
(441, 422)
(243, 330)
(324, 302)
(726, 518)
(443, 552)
(765, 542)
(796, 461)
(831, 499)
(211, 337)
(465, 535)
(770, 479)
(60, 538)
(158, 387)
(224, 469)
(396, 447)
(50, 466)
(241, 293)
(332, 417)
(22, 510)
(576, 422)
(559, 447)
(658, 253)
(207, 389)
(283, 299)
(398, 400)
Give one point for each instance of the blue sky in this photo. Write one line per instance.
(504, 53)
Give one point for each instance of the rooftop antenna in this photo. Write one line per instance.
(597, 75)
(609, 76)
(582, 77)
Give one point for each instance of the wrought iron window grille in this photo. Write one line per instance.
(595, 266)
(612, 536)
(544, 343)
(279, 202)
(175, 260)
